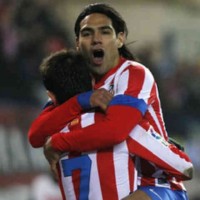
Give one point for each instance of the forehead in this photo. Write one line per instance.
(95, 20)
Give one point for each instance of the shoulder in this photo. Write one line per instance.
(136, 69)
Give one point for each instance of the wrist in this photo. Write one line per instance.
(84, 99)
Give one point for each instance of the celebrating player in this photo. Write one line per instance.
(63, 78)
(101, 33)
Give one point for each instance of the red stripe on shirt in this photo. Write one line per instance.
(108, 184)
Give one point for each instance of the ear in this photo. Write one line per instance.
(77, 44)
(121, 39)
(93, 81)
(52, 97)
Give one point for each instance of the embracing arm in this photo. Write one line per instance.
(43, 126)
(123, 114)
(150, 146)
(54, 118)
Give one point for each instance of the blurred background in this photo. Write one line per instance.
(164, 36)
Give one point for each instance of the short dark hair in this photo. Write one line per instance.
(117, 21)
(66, 74)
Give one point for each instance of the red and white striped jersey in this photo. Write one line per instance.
(136, 80)
(102, 174)
(109, 173)
(129, 81)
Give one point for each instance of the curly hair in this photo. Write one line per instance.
(66, 74)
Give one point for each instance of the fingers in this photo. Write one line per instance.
(137, 195)
(52, 157)
(53, 167)
(47, 150)
(101, 98)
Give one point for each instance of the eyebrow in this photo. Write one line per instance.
(100, 28)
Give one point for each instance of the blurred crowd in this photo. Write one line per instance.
(29, 31)
(179, 88)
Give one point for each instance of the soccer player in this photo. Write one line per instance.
(101, 33)
(63, 79)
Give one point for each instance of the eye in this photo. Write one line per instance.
(106, 31)
(85, 33)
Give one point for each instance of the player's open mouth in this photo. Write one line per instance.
(97, 56)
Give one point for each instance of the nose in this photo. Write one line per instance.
(97, 37)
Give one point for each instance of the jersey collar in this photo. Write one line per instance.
(109, 73)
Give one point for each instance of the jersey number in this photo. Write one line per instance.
(84, 164)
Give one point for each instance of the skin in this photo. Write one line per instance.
(97, 33)
(137, 195)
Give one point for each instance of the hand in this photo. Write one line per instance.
(52, 157)
(137, 195)
(101, 98)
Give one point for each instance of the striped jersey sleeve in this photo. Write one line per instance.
(149, 145)
(125, 106)
(48, 122)
(137, 81)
